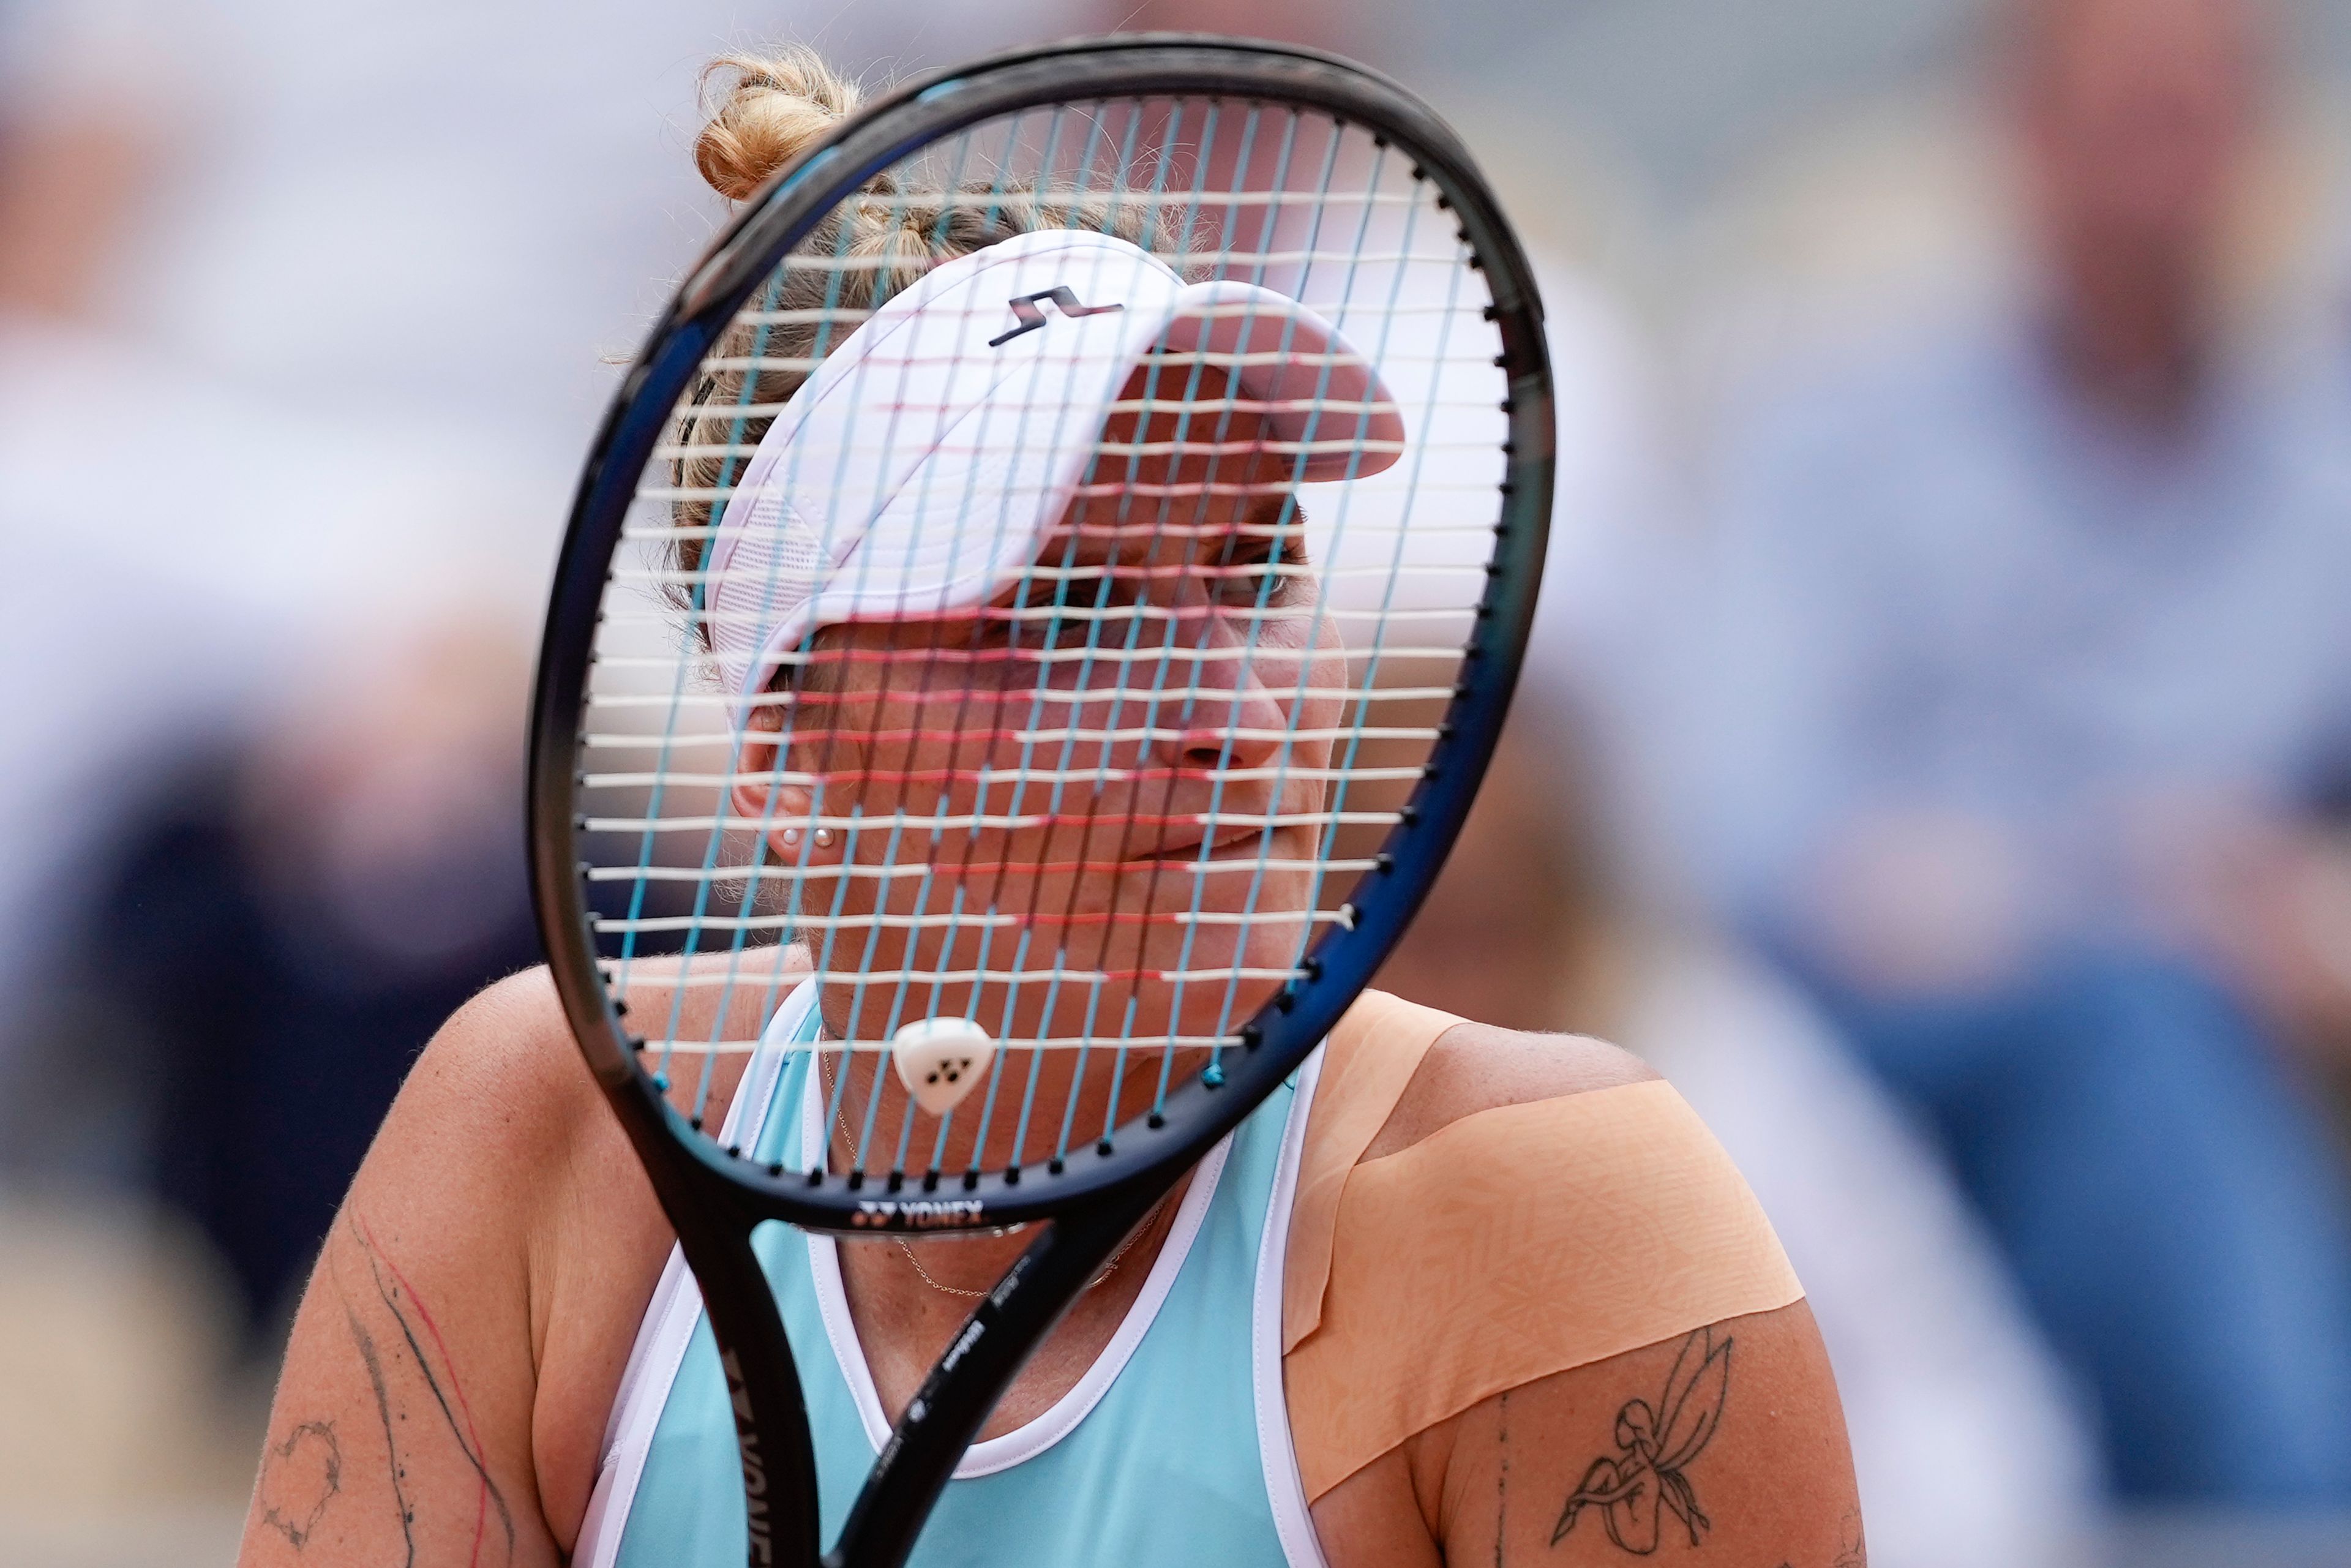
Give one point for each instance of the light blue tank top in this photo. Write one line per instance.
(1172, 1450)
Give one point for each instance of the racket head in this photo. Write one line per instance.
(1285, 169)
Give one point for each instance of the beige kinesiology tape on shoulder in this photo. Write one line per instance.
(1515, 1243)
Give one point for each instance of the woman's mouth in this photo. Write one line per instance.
(1241, 840)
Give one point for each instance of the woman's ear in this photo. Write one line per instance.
(756, 780)
(764, 794)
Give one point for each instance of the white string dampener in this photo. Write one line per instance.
(940, 1060)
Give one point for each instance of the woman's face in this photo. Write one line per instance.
(1097, 798)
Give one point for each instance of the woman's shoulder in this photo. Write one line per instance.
(1405, 1117)
(502, 1099)
(1473, 1068)
(1516, 1119)
(1396, 1072)
(1528, 1203)
(511, 1045)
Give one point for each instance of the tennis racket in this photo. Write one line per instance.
(1056, 571)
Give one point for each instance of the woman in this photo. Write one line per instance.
(1457, 1294)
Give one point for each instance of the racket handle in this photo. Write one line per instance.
(763, 1386)
(947, 1412)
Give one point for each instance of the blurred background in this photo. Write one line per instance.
(1935, 754)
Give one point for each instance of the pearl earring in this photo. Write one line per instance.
(824, 838)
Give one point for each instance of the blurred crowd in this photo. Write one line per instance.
(1935, 753)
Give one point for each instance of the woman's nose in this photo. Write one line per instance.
(1222, 703)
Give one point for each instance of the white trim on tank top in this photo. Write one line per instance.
(1285, 1489)
(677, 1310)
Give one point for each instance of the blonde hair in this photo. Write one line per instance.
(766, 111)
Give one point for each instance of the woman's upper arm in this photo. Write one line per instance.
(1728, 1437)
(1549, 1292)
(401, 1428)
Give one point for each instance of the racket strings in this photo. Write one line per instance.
(1104, 815)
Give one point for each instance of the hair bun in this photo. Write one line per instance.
(777, 108)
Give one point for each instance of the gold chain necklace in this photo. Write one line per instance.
(1107, 1270)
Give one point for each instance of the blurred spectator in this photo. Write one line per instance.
(285, 924)
(2033, 674)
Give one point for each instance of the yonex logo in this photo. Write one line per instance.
(919, 1212)
(1024, 311)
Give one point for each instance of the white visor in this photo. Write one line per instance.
(923, 465)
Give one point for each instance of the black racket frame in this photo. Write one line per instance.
(715, 1200)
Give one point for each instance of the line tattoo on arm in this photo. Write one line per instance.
(374, 1364)
(390, 1291)
(1634, 1488)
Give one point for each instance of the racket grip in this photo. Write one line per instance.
(763, 1387)
(947, 1412)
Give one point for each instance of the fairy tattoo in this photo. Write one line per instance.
(1655, 1446)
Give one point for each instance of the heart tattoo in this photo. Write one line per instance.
(301, 1477)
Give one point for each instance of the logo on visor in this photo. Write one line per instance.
(1024, 311)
